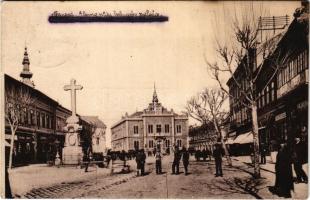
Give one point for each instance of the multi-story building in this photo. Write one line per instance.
(98, 137)
(154, 127)
(202, 137)
(283, 102)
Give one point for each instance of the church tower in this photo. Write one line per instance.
(26, 75)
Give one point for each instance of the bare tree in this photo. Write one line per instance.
(17, 101)
(207, 107)
(242, 61)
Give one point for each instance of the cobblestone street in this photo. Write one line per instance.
(237, 182)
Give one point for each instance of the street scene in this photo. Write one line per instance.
(117, 100)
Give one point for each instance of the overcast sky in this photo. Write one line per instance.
(117, 64)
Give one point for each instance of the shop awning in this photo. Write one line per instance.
(6, 143)
(244, 138)
(230, 140)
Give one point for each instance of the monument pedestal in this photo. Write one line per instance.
(72, 155)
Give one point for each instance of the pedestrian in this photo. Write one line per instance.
(298, 161)
(176, 160)
(185, 158)
(138, 161)
(197, 155)
(143, 158)
(262, 154)
(217, 154)
(204, 154)
(158, 157)
(87, 159)
(284, 175)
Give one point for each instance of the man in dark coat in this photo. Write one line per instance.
(158, 157)
(143, 158)
(176, 160)
(298, 151)
(204, 154)
(138, 161)
(217, 154)
(284, 175)
(185, 158)
(87, 158)
(262, 154)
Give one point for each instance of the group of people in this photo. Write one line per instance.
(284, 181)
(184, 154)
(140, 160)
(178, 155)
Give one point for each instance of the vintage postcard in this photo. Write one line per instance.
(154, 99)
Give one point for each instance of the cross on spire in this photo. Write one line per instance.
(155, 98)
(73, 87)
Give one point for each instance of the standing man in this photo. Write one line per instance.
(204, 154)
(158, 157)
(185, 157)
(284, 175)
(143, 158)
(298, 161)
(176, 160)
(138, 161)
(262, 154)
(217, 154)
(87, 159)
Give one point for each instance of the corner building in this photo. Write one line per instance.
(154, 127)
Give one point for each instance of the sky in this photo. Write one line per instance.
(118, 63)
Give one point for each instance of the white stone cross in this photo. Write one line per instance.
(73, 87)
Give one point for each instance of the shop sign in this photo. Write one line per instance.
(280, 116)
(302, 105)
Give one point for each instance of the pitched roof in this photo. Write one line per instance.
(94, 120)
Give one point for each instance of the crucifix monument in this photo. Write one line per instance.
(72, 151)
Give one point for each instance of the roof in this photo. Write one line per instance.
(136, 114)
(94, 120)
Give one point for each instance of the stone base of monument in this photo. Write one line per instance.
(72, 155)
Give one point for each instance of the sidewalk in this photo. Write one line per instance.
(23, 179)
(268, 171)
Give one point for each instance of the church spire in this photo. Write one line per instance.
(155, 99)
(26, 75)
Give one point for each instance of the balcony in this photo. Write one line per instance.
(301, 78)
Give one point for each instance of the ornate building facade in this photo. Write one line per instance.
(154, 127)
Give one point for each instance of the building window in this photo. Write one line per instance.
(166, 128)
(272, 92)
(179, 143)
(38, 119)
(47, 121)
(158, 128)
(150, 128)
(178, 128)
(136, 144)
(167, 143)
(267, 94)
(43, 120)
(135, 130)
(32, 117)
(52, 122)
(151, 143)
(97, 141)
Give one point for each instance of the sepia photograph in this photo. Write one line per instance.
(154, 99)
